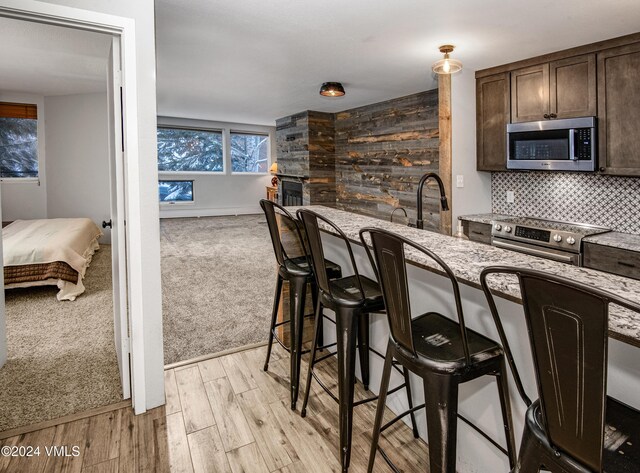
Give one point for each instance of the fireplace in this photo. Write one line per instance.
(291, 192)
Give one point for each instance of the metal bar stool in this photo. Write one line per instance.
(443, 352)
(573, 426)
(293, 266)
(352, 298)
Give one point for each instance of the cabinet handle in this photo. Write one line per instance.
(547, 116)
(628, 265)
(476, 232)
(553, 115)
(602, 169)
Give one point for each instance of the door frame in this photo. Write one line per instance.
(118, 217)
(70, 17)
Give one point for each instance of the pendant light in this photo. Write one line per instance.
(332, 89)
(447, 65)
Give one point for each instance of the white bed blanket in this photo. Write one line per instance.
(72, 240)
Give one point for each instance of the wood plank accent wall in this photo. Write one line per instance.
(305, 149)
(382, 150)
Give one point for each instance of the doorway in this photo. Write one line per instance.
(82, 345)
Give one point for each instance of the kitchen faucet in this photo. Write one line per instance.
(443, 197)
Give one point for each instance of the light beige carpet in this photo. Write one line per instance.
(61, 354)
(218, 279)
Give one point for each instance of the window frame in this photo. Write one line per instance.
(195, 173)
(232, 131)
(226, 128)
(31, 111)
(178, 202)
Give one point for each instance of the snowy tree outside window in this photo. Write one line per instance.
(249, 153)
(176, 191)
(190, 150)
(18, 148)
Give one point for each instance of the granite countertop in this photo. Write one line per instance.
(467, 259)
(484, 218)
(625, 241)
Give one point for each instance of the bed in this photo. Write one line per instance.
(54, 251)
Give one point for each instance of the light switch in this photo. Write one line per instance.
(510, 197)
(459, 180)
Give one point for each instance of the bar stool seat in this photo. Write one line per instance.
(437, 340)
(347, 290)
(622, 439)
(301, 264)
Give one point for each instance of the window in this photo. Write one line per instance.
(249, 152)
(175, 191)
(188, 150)
(18, 140)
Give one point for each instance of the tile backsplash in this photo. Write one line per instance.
(595, 199)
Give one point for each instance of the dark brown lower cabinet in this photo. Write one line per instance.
(476, 231)
(612, 260)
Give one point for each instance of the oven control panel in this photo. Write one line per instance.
(549, 238)
(533, 233)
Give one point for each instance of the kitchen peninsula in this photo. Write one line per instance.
(478, 399)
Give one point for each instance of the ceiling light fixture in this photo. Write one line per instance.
(447, 65)
(332, 89)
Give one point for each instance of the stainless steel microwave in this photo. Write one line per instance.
(552, 145)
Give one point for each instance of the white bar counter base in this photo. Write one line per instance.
(478, 400)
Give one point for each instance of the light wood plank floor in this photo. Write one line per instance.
(222, 415)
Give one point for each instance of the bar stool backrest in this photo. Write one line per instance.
(567, 323)
(286, 236)
(310, 222)
(391, 268)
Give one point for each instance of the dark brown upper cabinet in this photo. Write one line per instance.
(565, 88)
(530, 93)
(572, 87)
(492, 116)
(619, 110)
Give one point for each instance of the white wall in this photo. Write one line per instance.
(3, 325)
(149, 299)
(27, 200)
(76, 128)
(475, 196)
(221, 193)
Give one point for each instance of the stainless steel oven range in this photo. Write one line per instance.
(558, 241)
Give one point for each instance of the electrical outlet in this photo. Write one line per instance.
(459, 180)
(510, 197)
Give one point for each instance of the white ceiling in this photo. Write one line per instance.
(51, 60)
(252, 61)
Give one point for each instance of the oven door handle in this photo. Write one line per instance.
(532, 251)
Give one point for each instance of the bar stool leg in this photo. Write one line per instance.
(314, 298)
(346, 327)
(441, 404)
(407, 382)
(382, 398)
(274, 318)
(363, 348)
(297, 293)
(531, 458)
(505, 405)
(312, 358)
